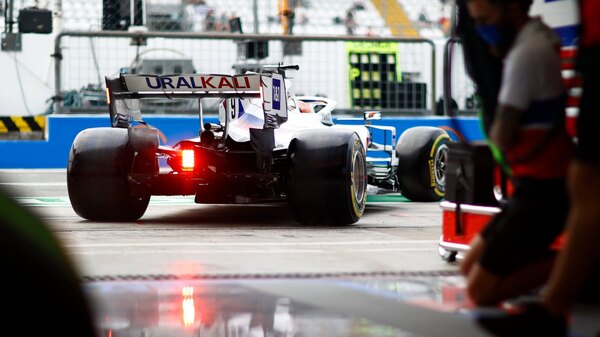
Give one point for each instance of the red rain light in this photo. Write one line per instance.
(187, 160)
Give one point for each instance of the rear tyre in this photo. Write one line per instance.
(97, 176)
(327, 180)
(422, 153)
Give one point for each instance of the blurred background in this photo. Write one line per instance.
(380, 54)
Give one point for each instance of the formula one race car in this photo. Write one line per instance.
(267, 146)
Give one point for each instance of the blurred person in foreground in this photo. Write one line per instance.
(575, 277)
(39, 282)
(512, 255)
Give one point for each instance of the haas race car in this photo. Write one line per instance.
(267, 146)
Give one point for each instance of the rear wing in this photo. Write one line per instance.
(184, 86)
(122, 92)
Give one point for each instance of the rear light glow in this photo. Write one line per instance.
(187, 291)
(187, 304)
(187, 160)
(189, 312)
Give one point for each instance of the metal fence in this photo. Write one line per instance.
(360, 73)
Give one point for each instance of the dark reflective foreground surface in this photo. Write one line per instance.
(416, 305)
(404, 304)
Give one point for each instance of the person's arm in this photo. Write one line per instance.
(520, 81)
(505, 126)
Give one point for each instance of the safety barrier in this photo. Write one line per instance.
(53, 152)
(22, 127)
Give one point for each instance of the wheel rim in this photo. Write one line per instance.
(440, 162)
(358, 177)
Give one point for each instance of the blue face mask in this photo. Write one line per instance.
(490, 34)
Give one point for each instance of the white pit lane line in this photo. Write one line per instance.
(64, 201)
(34, 184)
(257, 244)
(245, 251)
(250, 247)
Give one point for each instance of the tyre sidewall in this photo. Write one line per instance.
(419, 150)
(439, 148)
(97, 176)
(356, 198)
(321, 177)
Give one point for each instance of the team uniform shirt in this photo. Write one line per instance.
(532, 82)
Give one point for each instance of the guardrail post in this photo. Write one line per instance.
(57, 98)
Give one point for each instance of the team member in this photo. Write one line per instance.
(576, 273)
(582, 251)
(512, 254)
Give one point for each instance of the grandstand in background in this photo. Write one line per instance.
(403, 18)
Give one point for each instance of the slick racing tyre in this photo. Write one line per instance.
(422, 153)
(327, 179)
(97, 176)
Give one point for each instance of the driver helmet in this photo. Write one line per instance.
(304, 107)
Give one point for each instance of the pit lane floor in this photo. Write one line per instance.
(177, 236)
(379, 277)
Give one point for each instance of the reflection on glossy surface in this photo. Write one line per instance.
(256, 307)
(404, 305)
(187, 306)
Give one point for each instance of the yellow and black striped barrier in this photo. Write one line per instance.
(19, 127)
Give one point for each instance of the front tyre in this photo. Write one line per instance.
(422, 153)
(97, 176)
(327, 181)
